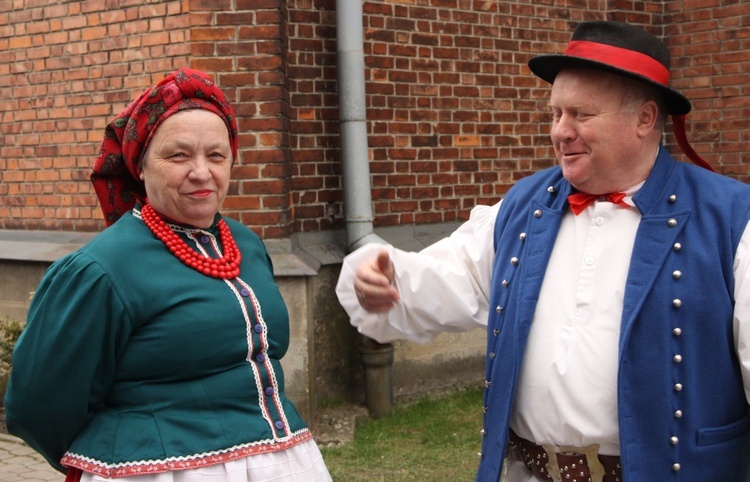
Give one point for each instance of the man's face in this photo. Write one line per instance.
(595, 139)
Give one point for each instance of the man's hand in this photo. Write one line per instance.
(373, 284)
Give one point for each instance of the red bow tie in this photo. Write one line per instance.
(580, 200)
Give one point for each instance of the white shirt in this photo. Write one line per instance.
(567, 393)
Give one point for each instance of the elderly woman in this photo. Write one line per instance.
(152, 353)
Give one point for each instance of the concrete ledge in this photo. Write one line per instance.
(300, 255)
(46, 246)
(416, 237)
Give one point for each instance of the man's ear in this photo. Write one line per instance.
(648, 115)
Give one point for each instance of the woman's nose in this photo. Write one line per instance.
(200, 170)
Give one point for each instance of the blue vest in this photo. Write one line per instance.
(680, 419)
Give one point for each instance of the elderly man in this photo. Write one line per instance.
(615, 287)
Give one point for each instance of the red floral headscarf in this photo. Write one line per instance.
(116, 170)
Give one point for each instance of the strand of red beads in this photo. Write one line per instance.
(226, 267)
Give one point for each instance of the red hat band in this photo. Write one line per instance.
(625, 59)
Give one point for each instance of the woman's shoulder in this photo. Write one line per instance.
(114, 250)
(124, 231)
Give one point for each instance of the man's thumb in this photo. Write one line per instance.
(384, 265)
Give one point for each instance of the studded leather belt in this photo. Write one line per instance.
(566, 464)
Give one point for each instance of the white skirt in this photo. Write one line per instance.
(300, 462)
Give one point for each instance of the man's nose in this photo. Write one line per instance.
(562, 129)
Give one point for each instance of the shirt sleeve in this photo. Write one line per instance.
(443, 288)
(742, 307)
(64, 361)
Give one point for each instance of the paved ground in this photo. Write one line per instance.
(19, 462)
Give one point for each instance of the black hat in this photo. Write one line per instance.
(620, 48)
(626, 50)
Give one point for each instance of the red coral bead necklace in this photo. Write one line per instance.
(226, 267)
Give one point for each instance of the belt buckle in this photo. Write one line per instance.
(591, 452)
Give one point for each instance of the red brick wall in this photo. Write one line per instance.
(65, 70)
(453, 109)
(710, 44)
(245, 50)
(454, 116)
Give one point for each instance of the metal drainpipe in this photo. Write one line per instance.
(377, 358)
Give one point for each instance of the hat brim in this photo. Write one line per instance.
(547, 67)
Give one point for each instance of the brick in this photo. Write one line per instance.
(262, 32)
(450, 99)
(241, 203)
(95, 33)
(213, 34)
(219, 5)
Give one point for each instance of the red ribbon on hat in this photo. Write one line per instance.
(621, 58)
(678, 126)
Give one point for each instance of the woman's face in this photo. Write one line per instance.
(187, 165)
